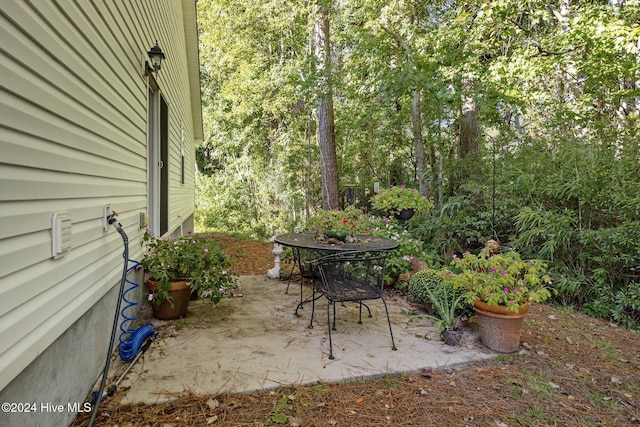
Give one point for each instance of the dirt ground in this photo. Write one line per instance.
(571, 370)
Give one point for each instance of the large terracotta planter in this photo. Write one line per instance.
(176, 306)
(500, 329)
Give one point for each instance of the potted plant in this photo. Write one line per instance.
(446, 305)
(500, 286)
(178, 266)
(400, 201)
(337, 225)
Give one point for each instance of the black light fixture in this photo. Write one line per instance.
(155, 56)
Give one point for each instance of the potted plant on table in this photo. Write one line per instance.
(337, 226)
(400, 201)
(500, 286)
(178, 266)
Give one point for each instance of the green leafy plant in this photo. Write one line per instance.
(421, 281)
(395, 199)
(399, 260)
(621, 306)
(196, 258)
(428, 285)
(445, 303)
(500, 279)
(339, 222)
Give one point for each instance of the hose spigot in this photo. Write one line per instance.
(112, 218)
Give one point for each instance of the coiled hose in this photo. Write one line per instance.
(132, 339)
(125, 240)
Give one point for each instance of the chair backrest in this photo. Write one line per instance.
(353, 268)
(306, 262)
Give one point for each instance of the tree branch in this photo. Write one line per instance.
(399, 39)
(543, 52)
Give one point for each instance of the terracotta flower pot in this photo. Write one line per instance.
(500, 329)
(176, 306)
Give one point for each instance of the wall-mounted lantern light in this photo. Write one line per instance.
(155, 56)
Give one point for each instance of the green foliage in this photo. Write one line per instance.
(348, 221)
(555, 87)
(503, 279)
(464, 221)
(445, 302)
(196, 258)
(390, 201)
(550, 231)
(422, 280)
(621, 306)
(277, 416)
(584, 216)
(399, 260)
(428, 285)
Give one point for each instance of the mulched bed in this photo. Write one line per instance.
(571, 370)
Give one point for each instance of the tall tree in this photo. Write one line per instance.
(326, 120)
(416, 111)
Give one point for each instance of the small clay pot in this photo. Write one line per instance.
(452, 338)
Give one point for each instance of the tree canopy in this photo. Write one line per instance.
(518, 119)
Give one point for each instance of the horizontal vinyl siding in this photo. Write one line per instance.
(73, 137)
(177, 91)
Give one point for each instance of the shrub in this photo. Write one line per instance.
(399, 260)
(392, 200)
(441, 290)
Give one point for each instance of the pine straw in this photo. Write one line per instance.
(572, 370)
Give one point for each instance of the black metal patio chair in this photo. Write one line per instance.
(304, 259)
(355, 277)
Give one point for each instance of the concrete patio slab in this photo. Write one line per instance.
(255, 342)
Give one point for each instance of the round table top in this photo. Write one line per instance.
(362, 243)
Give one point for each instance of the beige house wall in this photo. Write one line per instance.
(73, 139)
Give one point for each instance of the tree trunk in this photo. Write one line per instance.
(469, 132)
(469, 127)
(329, 163)
(421, 162)
(441, 158)
(326, 125)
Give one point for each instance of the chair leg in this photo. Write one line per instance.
(296, 261)
(334, 316)
(290, 276)
(369, 310)
(393, 343)
(329, 325)
(301, 304)
(360, 313)
(313, 305)
(301, 299)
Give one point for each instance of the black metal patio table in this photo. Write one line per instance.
(363, 243)
(306, 242)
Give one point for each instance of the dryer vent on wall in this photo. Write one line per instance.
(60, 234)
